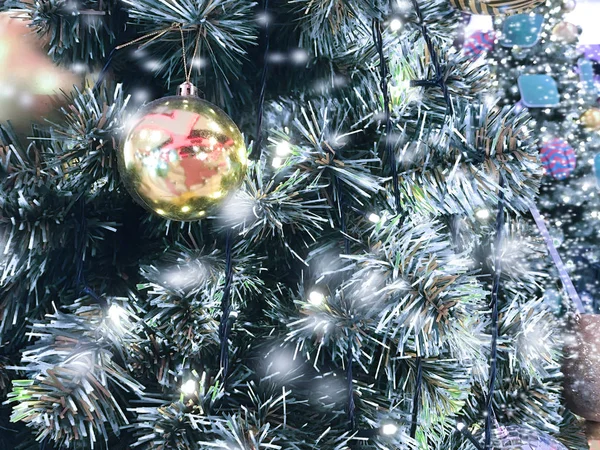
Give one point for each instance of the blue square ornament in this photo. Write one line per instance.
(522, 30)
(538, 91)
(586, 75)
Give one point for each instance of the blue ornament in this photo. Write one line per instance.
(522, 30)
(586, 75)
(558, 158)
(597, 168)
(479, 43)
(538, 91)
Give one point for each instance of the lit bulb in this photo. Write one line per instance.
(283, 148)
(189, 387)
(316, 298)
(482, 214)
(395, 25)
(460, 426)
(115, 313)
(374, 218)
(389, 429)
(277, 162)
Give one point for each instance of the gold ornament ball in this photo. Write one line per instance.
(30, 83)
(495, 7)
(182, 156)
(566, 32)
(591, 119)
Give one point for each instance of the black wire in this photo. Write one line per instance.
(80, 281)
(416, 398)
(383, 84)
(263, 79)
(389, 152)
(349, 379)
(224, 326)
(439, 80)
(104, 70)
(465, 432)
(351, 407)
(494, 305)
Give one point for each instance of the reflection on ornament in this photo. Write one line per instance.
(30, 83)
(566, 32)
(182, 156)
(591, 119)
(581, 367)
(515, 437)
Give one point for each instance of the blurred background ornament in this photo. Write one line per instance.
(522, 30)
(479, 43)
(592, 433)
(538, 91)
(581, 367)
(30, 83)
(566, 32)
(569, 5)
(181, 156)
(597, 169)
(495, 7)
(516, 437)
(558, 158)
(591, 119)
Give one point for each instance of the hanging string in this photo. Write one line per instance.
(188, 70)
(494, 306)
(263, 78)
(562, 270)
(439, 80)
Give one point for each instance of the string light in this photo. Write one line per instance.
(389, 429)
(189, 387)
(283, 148)
(277, 162)
(316, 298)
(395, 25)
(116, 313)
(374, 218)
(482, 214)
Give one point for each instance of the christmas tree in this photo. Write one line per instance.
(370, 282)
(539, 51)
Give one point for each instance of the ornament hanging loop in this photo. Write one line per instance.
(187, 89)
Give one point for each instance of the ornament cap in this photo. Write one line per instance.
(187, 89)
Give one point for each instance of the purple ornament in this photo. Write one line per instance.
(515, 437)
(591, 51)
(558, 158)
(478, 43)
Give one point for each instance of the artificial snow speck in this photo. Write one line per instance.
(558, 158)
